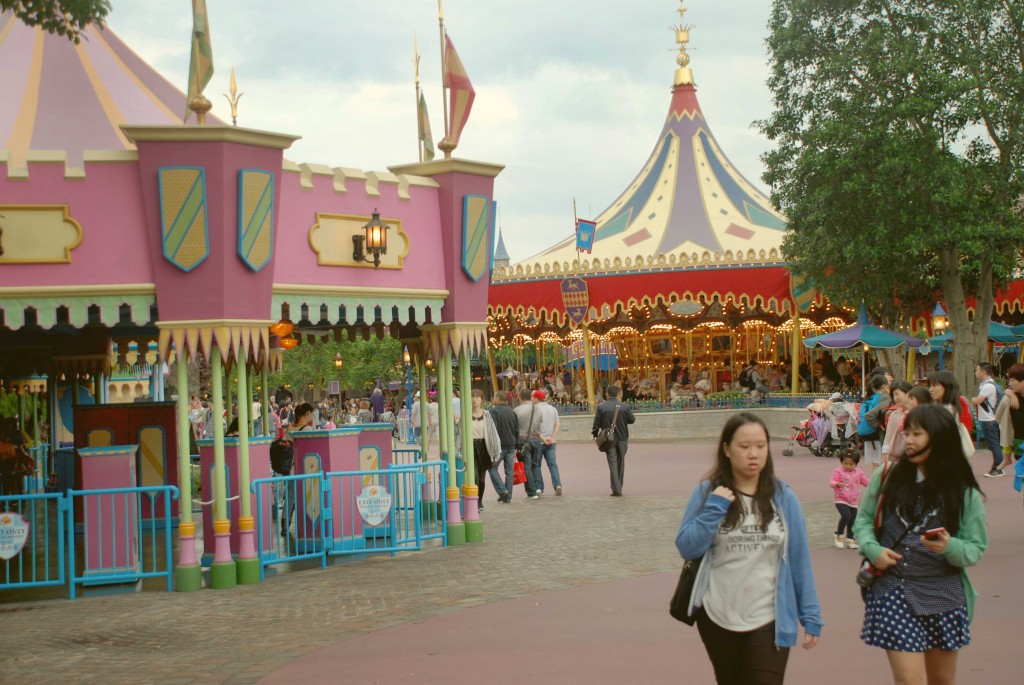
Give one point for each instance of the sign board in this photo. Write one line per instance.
(333, 387)
(374, 504)
(13, 534)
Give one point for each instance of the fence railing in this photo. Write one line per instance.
(118, 545)
(40, 561)
(289, 520)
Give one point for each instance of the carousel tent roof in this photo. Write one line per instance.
(500, 252)
(67, 97)
(687, 198)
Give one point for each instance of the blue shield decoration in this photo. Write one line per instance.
(255, 217)
(585, 231)
(477, 230)
(576, 299)
(183, 220)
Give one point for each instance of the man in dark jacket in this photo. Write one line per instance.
(616, 451)
(507, 423)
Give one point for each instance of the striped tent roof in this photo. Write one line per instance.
(687, 198)
(60, 96)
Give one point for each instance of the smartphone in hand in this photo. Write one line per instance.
(934, 533)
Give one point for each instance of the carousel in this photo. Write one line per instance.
(683, 271)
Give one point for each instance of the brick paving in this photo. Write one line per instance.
(242, 634)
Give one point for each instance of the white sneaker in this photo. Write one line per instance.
(851, 543)
(839, 541)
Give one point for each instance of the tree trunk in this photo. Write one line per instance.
(969, 337)
(895, 360)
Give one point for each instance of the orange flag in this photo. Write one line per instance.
(461, 90)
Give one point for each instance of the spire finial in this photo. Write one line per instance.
(234, 98)
(684, 75)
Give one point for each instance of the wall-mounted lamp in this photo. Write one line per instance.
(374, 241)
(338, 361)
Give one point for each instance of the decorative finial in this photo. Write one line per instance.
(684, 76)
(234, 98)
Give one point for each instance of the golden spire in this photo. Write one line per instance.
(234, 98)
(684, 75)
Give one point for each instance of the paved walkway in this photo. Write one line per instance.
(564, 589)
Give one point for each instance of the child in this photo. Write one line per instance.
(846, 481)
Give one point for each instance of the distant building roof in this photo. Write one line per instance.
(500, 252)
(60, 96)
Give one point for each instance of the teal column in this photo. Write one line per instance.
(447, 450)
(470, 491)
(22, 408)
(223, 573)
(188, 575)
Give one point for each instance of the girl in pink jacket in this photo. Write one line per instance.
(846, 482)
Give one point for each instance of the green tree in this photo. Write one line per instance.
(364, 363)
(899, 154)
(63, 17)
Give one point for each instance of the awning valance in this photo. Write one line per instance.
(353, 306)
(105, 301)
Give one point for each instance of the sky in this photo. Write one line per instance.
(570, 95)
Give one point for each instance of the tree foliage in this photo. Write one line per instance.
(62, 17)
(364, 362)
(899, 153)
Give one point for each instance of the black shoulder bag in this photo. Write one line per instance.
(605, 437)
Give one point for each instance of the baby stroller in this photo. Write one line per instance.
(809, 433)
(842, 430)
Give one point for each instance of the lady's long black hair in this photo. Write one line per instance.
(952, 389)
(721, 474)
(948, 474)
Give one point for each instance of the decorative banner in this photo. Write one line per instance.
(476, 234)
(369, 460)
(576, 299)
(255, 217)
(186, 236)
(585, 231)
(803, 293)
(374, 504)
(311, 488)
(13, 534)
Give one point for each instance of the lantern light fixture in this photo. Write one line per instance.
(338, 361)
(373, 243)
(939, 319)
(282, 329)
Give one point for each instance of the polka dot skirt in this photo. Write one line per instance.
(889, 624)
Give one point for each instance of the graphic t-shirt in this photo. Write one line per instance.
(990, 391)
(744, 569)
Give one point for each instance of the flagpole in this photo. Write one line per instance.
(416, 70)
(444, 87)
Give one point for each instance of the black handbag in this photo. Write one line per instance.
(605, 437)
(680, 604)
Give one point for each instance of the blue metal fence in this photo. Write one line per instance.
(118, 545)
(290, 524)
(41, 561)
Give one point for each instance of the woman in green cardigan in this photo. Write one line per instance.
(931, 528)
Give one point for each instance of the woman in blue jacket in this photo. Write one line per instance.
(754, 583)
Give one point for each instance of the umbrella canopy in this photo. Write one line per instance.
(997, 332)
(863, 333)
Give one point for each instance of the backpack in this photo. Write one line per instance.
(999, 391)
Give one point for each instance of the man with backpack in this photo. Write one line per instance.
(988, 397)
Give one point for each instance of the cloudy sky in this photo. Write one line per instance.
(570, 95)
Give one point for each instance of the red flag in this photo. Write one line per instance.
(461, 90)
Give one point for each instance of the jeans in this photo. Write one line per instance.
(990, 431)
(617, 465)
(508, 457)
(531, 463)
(548, 451)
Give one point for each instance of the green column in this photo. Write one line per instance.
(444, 381)
(229, 391)
(223, 573)
(248, 563)
(188, 575)
(465, 386)
(264, 379)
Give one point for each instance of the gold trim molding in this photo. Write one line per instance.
(39, 238)
(209, 134)
(448, 166)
